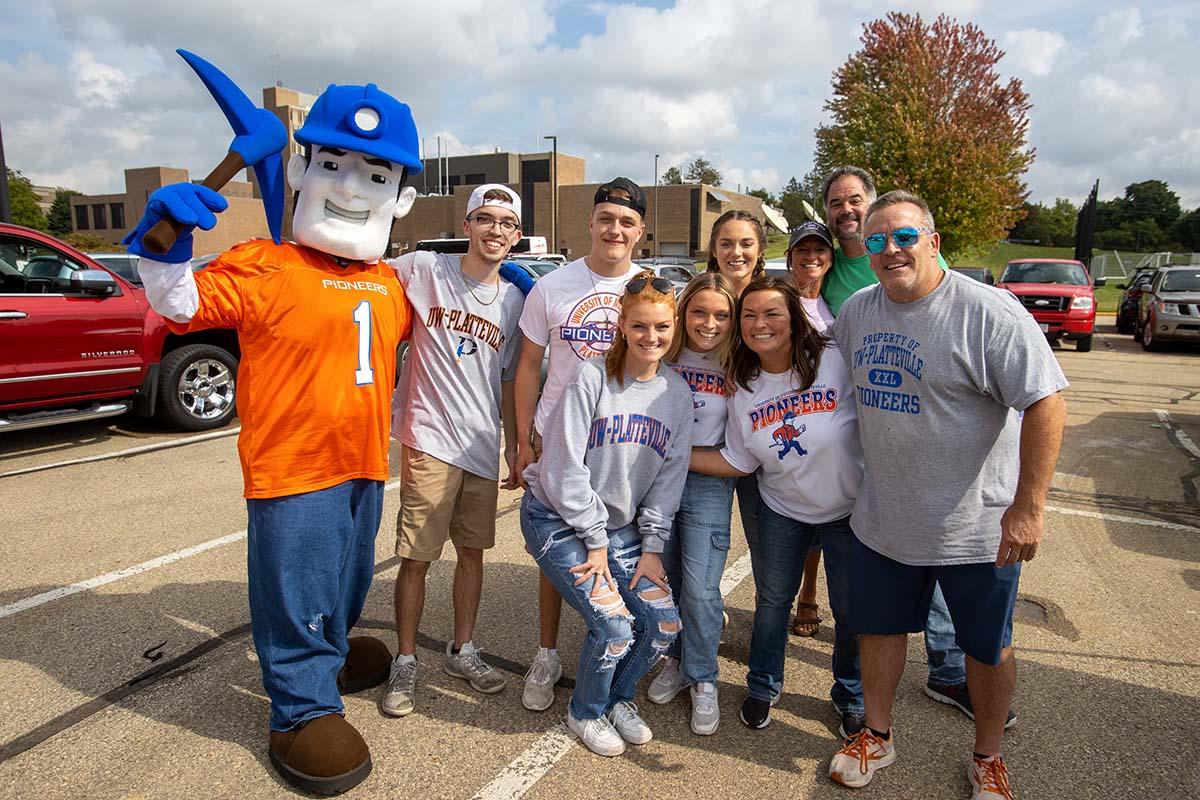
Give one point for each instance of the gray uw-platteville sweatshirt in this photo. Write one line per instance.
(611, 452)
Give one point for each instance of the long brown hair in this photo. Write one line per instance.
(739, 215)
(807, 343)
(711, 281)
(614, 359)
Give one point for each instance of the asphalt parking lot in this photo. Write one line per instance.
(127, 670)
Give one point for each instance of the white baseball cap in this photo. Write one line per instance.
(477, 201)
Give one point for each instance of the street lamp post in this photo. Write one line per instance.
(657, 252)
(554, 193)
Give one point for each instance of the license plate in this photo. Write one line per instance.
(1044, 326)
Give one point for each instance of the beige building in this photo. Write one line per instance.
(685, 212)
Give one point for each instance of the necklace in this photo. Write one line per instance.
(468, 280)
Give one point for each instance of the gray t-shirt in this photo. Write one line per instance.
(464, 342)
(939, 383)
(612, 454)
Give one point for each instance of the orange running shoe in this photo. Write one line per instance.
(861, 755)
(989, 779)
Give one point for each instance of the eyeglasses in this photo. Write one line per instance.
(636, 285)
(903, 237)
(489, 223)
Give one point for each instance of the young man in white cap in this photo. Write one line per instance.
(455, 382)
(572, 311)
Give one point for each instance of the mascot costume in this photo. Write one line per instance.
(318, 321)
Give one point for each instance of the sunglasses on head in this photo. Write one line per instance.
(903, 237)
(658, 284)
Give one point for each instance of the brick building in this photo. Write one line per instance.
(686, 212)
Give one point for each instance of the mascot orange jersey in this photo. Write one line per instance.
(315, 409)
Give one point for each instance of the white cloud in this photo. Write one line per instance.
(1031, 52)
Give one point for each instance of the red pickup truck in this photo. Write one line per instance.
(79, 342)
(1058, 293)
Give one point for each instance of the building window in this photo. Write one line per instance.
(99, 216)
(455, 180)
(476, 177)
(535, 171)
(81, 218)
(118, 215)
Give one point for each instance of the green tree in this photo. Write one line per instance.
(922, 107)
(1059, 223)
(791, 202)
(1152, 200)
(59, 221)
(1186, 230)
(762, 194)
(24, 202)
(672, 175)
(701, 171)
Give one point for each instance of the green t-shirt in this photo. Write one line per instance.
(848, 275)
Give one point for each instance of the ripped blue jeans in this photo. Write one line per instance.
(628, 630)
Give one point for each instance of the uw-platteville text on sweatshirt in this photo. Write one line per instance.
(613, 453)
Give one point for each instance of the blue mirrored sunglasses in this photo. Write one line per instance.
(903, 237)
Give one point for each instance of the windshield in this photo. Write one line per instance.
(1045, 272)
(1182, 281)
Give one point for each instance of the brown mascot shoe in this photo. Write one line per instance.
(367, 665)
(327, 756)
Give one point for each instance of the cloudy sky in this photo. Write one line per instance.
(90, 87)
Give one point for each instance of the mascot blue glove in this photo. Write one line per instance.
(189, 204)
(517, 277)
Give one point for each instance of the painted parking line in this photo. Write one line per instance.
(1150, 523)
(131, 451)
(1185, 441)
(540, 757)
(128, 572)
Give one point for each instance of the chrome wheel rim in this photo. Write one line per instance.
(206, 389)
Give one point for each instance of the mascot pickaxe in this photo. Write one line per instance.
(318, 323)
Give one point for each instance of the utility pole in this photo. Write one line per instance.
(5, 208)
(554, 193)
(657, 251)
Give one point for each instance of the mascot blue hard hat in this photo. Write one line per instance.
(363, 119)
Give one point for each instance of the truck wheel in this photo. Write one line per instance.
(1084, 344)
(197, 389)
(1149, 343)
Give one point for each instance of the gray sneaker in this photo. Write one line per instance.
(469, 666)
(539, 681)
(706, 710)
(400, 693)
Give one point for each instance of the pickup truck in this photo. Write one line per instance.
(80, 342)
(1058, 293)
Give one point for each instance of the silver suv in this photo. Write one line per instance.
(1169, 309)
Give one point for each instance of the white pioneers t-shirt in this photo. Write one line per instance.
(706, 376)
(818, 312)
(804, 444)
(463, 344)
(573, 311)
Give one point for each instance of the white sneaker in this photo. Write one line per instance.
(706, 713)
(539, 681)
(989, 779)
(667, 684)
(597, 735)
(860, 757)
(629, 724)
(399, 696)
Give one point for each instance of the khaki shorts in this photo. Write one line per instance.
(439, 501)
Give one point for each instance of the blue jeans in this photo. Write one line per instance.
(846, 692)
(749, 501)
(625, 635)
(310, 560)
(778, 566)
(947, 664)
(695, 561)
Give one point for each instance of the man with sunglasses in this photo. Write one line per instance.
(447, 411)
(848, 191)
(573, 311)
(961, 418)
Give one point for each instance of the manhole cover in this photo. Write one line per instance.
(1030, 610)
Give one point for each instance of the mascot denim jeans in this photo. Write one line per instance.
(310, 558)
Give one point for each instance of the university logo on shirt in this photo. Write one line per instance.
(591, 326)
(886, 358)
(787, 436)
(778, 415)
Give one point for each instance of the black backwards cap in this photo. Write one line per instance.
(636, 201)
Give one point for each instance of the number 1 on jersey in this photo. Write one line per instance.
(362, 318)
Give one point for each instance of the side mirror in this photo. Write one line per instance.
(1100, 281)
(93, 281)
(1122, 286)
